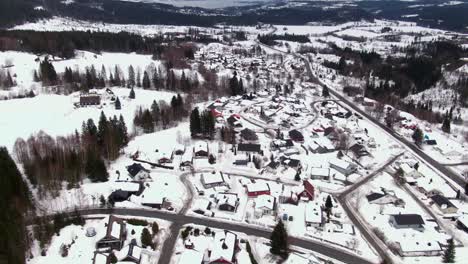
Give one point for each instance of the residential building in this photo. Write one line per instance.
(138, 172)
(224, 248)
(343, 167)
(413, 221)
(257, 188)
(213, 179)
(444, 204)
(116, 233)
(265, 204)
(313, 214)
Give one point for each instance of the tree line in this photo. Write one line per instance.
(270, 39)
(161, 115)
(49, 162)
(202, 125)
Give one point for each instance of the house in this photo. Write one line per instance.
(309, 191)
(200, 150)
(414, 221)
(265, 204)
(152, 199)
(249, 148)
(383, 198)
(227, 201)
(234, 121)
(119, 196)
(359, 150)
(224, 248)
(409, 172)
(248, 134)
(186, 161)
(342, 166)
(101, 258)
(292, 163)
(257, 188)
(191, 257)
(415, 247)
(138, 172)
(313, 214)
(90, 99)
(130, 253)
(321, 145)
(296, 136)
(272, 166)
(213, 179)
(116, 233)
(281, 144)
(444, 204)
(320, 173)
(462, 222)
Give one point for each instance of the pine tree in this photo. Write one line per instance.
(112, 258)
(132, 94)
(195, 122)
(123, 132)
(329, 203)
(449, 253)
(146, 239)
(155, 112)
(279, 241)
(103, 128)
(418, 136)
(325, 92)
(96, 169)
(117, 81)
(131, 77)
(118, 105)
(146, 81)
(156, 83)
(138, 77)
(446, 125)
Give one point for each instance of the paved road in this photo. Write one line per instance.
(180, 220)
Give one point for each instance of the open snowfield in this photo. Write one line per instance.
(57, 116)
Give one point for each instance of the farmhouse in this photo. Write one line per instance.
(115, 234)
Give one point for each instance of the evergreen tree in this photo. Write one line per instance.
(96, 169)
(325, 92)
(156, 83)
(132, 94)
(146, 81)
(103, 128)
(123, 131)
(36, 76)
(118, 105)
(195, 122)
(234, 85)
(279, 241)
(131, 77)
(15, 201)
(418, 136)
(155, 112)
(117, 80)
(446, 125)
(147, 122)
(449, 253)
(8, 83)
(112, 258)
(146, 239)
(329, 203)
(138, 77)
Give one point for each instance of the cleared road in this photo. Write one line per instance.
(180, 220)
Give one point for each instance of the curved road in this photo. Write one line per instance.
(180, 220)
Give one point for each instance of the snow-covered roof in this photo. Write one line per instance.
(295, 258)
(313, 213)
(339, 163)
(265, 201)
(150, 196)
(100, 258)
(406, 168)
(190, 256)
(416, 245)
(257, 187)
(227, 198)
(324, 172)
(210, 178)
(126, 186)
(115, 229)
(223, 246)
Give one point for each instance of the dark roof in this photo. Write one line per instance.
(431, 142)
(328, 130)
(408, 219)
(241, 162)
(295, 134)
(294, 162)
(441, 200)
(119, 196)
(273, 164)
(374, 196)
(135, 168)
(289, 143)
(249, 147)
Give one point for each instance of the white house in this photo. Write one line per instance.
(342, 166)
(411, 247)
(313, 214)
(264, 205)
(213, 179)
